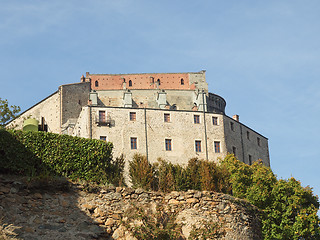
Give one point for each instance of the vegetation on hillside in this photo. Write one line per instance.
(288, 210)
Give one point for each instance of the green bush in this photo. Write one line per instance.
(41, 153)
(142, 173)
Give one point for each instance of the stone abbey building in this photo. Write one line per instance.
(167, 115)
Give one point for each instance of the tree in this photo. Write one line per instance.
(288, 210)
(7, 112)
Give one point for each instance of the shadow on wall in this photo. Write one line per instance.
(45, 208)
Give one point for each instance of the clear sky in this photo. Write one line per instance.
(263, 57)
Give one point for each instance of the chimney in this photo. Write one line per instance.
(236, 117)
(82, 79)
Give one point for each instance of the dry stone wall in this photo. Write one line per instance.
(50, 211)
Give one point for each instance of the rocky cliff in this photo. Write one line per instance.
(63, 210)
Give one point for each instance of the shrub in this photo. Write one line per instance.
(41, 153)
(142, 173)
(115, 174)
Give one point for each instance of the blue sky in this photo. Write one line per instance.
(263, 57)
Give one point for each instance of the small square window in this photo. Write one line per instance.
(133, 142)
(232, 126)
(133, 116)
(167, 117)
(196, 119)
(198, 146)
(103, 138)
(258, 141)
(217, 147)
(168, 144)
(214, 120)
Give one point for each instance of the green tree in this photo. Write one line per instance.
(7, 112)
(288, 210)
(292, 213)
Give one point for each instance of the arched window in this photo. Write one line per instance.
(130, 83)
(158, 81)
(96, 84)
(182, 81)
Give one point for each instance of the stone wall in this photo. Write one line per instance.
(48, 211)
(245, 140)
(49, 108)
(73, 98)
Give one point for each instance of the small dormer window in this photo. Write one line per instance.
(96, 84)
(182, 81)
(130, 83)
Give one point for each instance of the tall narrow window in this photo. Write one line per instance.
(196, 119)
(214, 120)
(217, 147)
(130, 83)
(258, 141)
(232, 126)
(133, 143)
(167, 117)
(198, 146)
(96, 84)
(250, 159)
(248, 135)
(132, 116)
(182, 81)
(103, 138)
(168, 144)
(158, 81)
(234, 151)
(102, 116)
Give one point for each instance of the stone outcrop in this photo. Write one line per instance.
(64, 211)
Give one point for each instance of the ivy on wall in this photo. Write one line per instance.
(41, 153)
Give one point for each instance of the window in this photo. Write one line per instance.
(258, 141)
(168, 144)
(248, 135)
(217, 147)
(182, 81)
(167, 117)
(132, 116)
(96, 84)
(133, 143)
(103, 138)
(250, 159)
(158, 81)
(196, 119)
(232, 126)
(214, 120)
(130, 83)
(198, 145)
(234, 151)
(102, 116)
